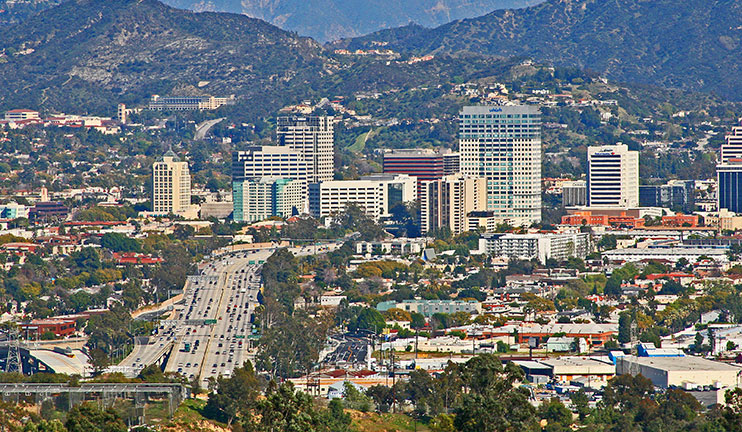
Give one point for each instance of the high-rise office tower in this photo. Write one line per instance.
(423, 164)
(503, 145)
(612, 176)
(255, 200)
(171, 185)
(447, 202)
(269, 161)
(313, 137)
(268, 181)
(732, 147)
(729, 177)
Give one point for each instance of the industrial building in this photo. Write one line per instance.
(687, 372)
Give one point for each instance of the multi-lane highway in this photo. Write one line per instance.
(207, 337)
(209, 333)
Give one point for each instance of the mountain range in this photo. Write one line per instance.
(92, 53)
(97, 53)
(326, 20)
(683, 44)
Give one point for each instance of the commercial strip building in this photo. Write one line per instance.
(672, 254)
(430, 307)
(377, 194)
(610, 216)
(540, 246)
(171, 185)
(58, 327)
(503, 145)
(595, 334)
(445, 203)
(612, 176)
(185, 103)
(729, 178)
(256, 200)
(313, 138)
(687, 372)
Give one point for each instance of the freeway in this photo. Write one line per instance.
(209, 333)
(203, 128)
(208, 336)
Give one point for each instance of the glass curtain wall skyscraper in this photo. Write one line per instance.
(503, 145)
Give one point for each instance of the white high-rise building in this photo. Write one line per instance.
(376, 194)
(612, 176)
(268, 161)
(171, 185)
(503, 145)
(314, 138)
(732, 147)
(268, 181)
(447, 202)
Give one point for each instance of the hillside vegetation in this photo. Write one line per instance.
(690, 45)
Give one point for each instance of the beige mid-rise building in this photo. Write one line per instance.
(445, 203)
(171, 185)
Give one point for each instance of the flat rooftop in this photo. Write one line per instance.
(682, 364)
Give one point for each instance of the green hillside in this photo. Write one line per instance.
(690, 45)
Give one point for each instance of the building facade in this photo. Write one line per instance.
(677, 195)
(185, 103)
(256, 200)
(574, 193)
(269, 161)
(503, 145)
(732, 147)
(613, 176)
(729, 178)
(376, 194)
(21, 114)
(541, 246)
(445, 203)
(313, 138)
(171, 185)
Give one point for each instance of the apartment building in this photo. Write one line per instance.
(540, 246)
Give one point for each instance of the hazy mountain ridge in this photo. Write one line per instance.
(86, 51)
(334, 19)
(689, 45)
